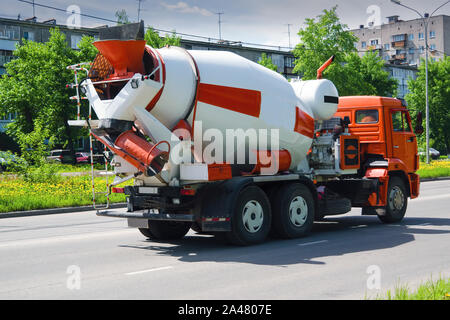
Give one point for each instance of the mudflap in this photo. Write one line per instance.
(217, 202)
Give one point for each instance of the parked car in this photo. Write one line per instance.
(59, 155)
(85, 157)
(6, 159)
(434, 154)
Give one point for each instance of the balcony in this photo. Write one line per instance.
(397, 59)
(374, 47)
(399, 44)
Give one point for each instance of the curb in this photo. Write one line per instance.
(435, 179)
(42, 212)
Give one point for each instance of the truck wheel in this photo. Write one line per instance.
(166, 230)
(293, 211)
(251, 218)
(397, 201)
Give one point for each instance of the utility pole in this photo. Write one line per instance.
(220, 23)
(426, 20)
(289, 34)
(34, 14)
(139, 10)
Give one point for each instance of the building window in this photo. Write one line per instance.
(421, 36)
(411, 50)
(363, 45)
(374, 42)
(28, 35)
(75, 39)
(432, 34)
(433, 47)
(411, 37)
(289, 62)
(9, 32)
(398, 37)
(387, 46)
(422, 49)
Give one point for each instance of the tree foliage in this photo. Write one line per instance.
(267, 62)
(154, 40)
(439, 99)
(122, 17)
(327, 36)
(35, 89)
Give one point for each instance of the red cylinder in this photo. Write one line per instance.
(144, 154)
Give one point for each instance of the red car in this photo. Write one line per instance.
(83, 157)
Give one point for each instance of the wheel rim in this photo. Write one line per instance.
(396, 199)
(298, 211)
(253, 216)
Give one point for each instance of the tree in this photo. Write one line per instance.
(154, 40)
(365, 76)
(35, 89)
(267, 62)
(352, 75)
(319, 41)
(122, 17)
(439, 98)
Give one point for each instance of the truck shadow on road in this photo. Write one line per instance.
(332, 237)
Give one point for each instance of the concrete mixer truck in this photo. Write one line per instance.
(221, 145)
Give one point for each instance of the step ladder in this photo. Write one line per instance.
(84, 67)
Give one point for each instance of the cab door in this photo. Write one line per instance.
(404, 143)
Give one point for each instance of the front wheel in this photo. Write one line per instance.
(397, 202)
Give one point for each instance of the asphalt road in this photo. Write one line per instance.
(43, 257)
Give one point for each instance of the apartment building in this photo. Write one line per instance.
(403, 42)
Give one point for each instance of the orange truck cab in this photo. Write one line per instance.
(388, 148)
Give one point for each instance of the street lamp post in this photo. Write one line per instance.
(426, 20)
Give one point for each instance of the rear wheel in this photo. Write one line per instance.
(293, 211)
(397, 201)
(165, 230)
(251, 218)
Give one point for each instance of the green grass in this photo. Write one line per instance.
(18, 194)
(431, 290)
(436, 169)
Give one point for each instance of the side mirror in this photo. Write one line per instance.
(419, 124)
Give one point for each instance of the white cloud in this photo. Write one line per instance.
(183, 7)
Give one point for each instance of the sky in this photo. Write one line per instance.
(252, 21)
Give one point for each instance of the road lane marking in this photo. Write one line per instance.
(442, 196)
(148, 270)
(58, 239)
(311, 243)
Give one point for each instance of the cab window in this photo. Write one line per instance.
(367, 116)
(400, 122)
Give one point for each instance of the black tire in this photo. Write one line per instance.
(293, 211)
(166, 230)
(397, 201)
(251, 219)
